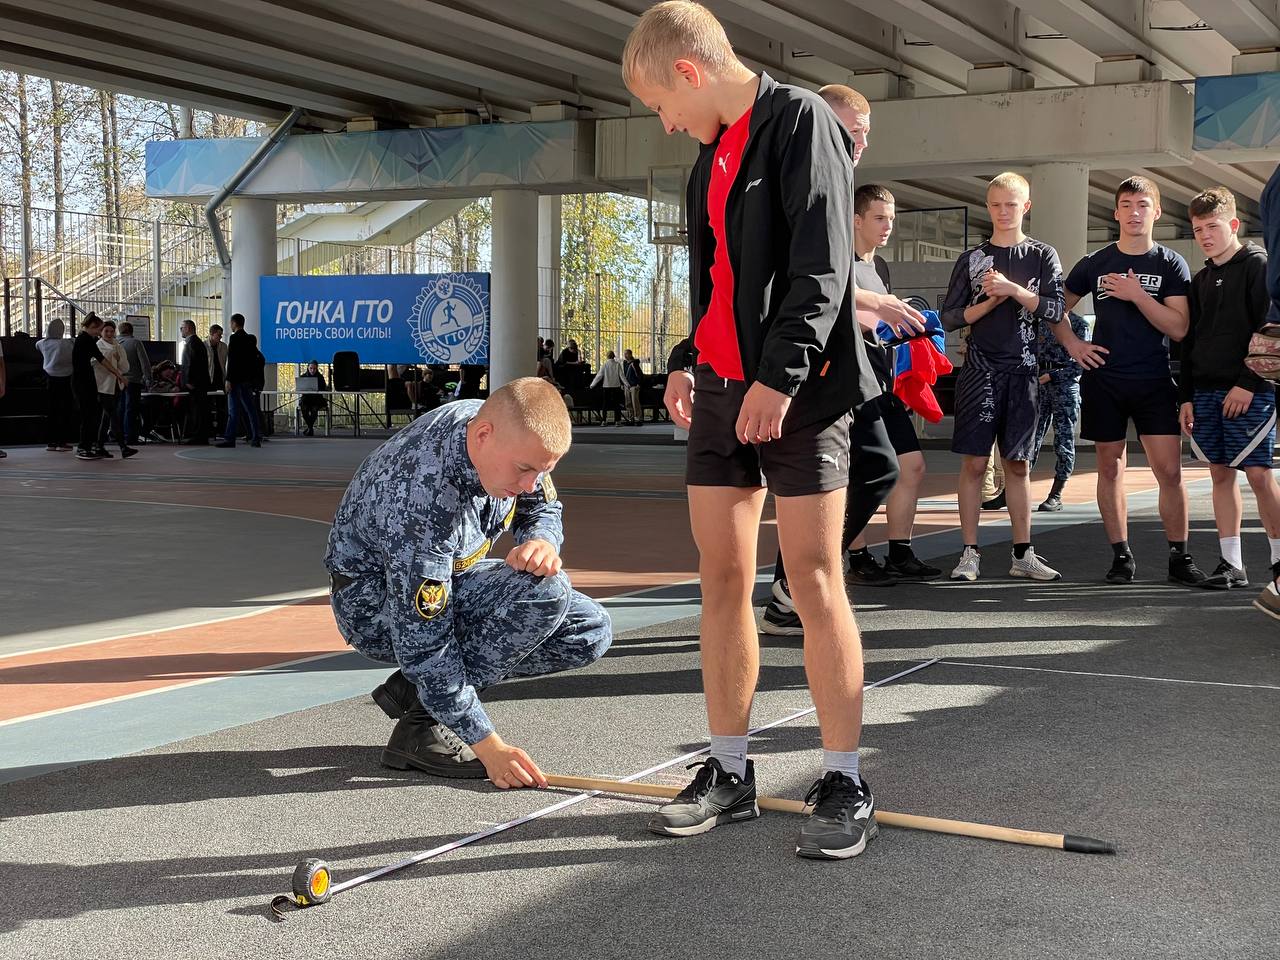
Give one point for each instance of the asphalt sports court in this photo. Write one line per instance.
(182, 726)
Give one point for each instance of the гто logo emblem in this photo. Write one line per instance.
(450, 321)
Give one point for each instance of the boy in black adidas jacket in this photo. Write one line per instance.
(777, 366)
(1227, 410)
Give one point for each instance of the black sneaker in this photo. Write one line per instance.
(87, 455)
(104, 454)
(1183, 570)
(864, 571)
(418, 741)
(714, 797)
(1224, 577)
(912, 569)
(127, 452)
(995, 503)
(396, 695)
(780, 621)
(1123, 569)
(843, 819)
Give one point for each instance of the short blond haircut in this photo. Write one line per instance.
(838, 95)
(1214, 202)
(671, 31)
(1011, 181)
(533, 406)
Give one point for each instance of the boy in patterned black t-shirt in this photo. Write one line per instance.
(1001, 289)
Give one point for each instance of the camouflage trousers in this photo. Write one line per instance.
(505, 623)
(1059, 405)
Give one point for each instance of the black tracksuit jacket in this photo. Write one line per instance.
(789, 220)
(1228, 304)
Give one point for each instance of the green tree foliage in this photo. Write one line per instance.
(604, 247)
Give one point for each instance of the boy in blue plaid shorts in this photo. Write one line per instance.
(1228, 411)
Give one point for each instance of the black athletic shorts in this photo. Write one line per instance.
(1107, 404)
(813, 459)
(995, 406)
(896, 417)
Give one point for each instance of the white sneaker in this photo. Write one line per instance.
(967, 568)
(1032, 567)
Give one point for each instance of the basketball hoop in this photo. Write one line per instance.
(666, 205)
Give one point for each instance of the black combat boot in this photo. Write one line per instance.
(1053, 502)
(418, 741)
(396, 695)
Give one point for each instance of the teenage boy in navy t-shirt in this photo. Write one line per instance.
(1139, 291)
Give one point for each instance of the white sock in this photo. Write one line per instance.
(1230, 547)
(731, 754)
(1275, 549)
(841, 762)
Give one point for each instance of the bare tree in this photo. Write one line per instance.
(24, 140)
(108, 182)
(56, 120)
(115, 162)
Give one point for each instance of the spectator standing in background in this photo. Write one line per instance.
(84, 383)
(217, 348)
(60, 416)
(137, 377)
(632, 381)
(110, 376)
(610, 376)
(195, 380)
(242, 364)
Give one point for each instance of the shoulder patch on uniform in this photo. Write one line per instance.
(431, 599)
(472, 558)
(548, 488)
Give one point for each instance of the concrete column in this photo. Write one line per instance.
(549, 244)
(1060, 210)
(514, 287)
(253, 256)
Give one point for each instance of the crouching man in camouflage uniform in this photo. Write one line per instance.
(411, 583)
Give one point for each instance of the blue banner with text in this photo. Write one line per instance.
(385, 318)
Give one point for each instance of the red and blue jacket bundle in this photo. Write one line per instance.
(918, 362)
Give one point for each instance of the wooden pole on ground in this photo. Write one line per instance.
(906, 821)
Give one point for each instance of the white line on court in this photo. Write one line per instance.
(1112, 676)
(268, 607)
(167, 503)
(581, 797)
(257, 671)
